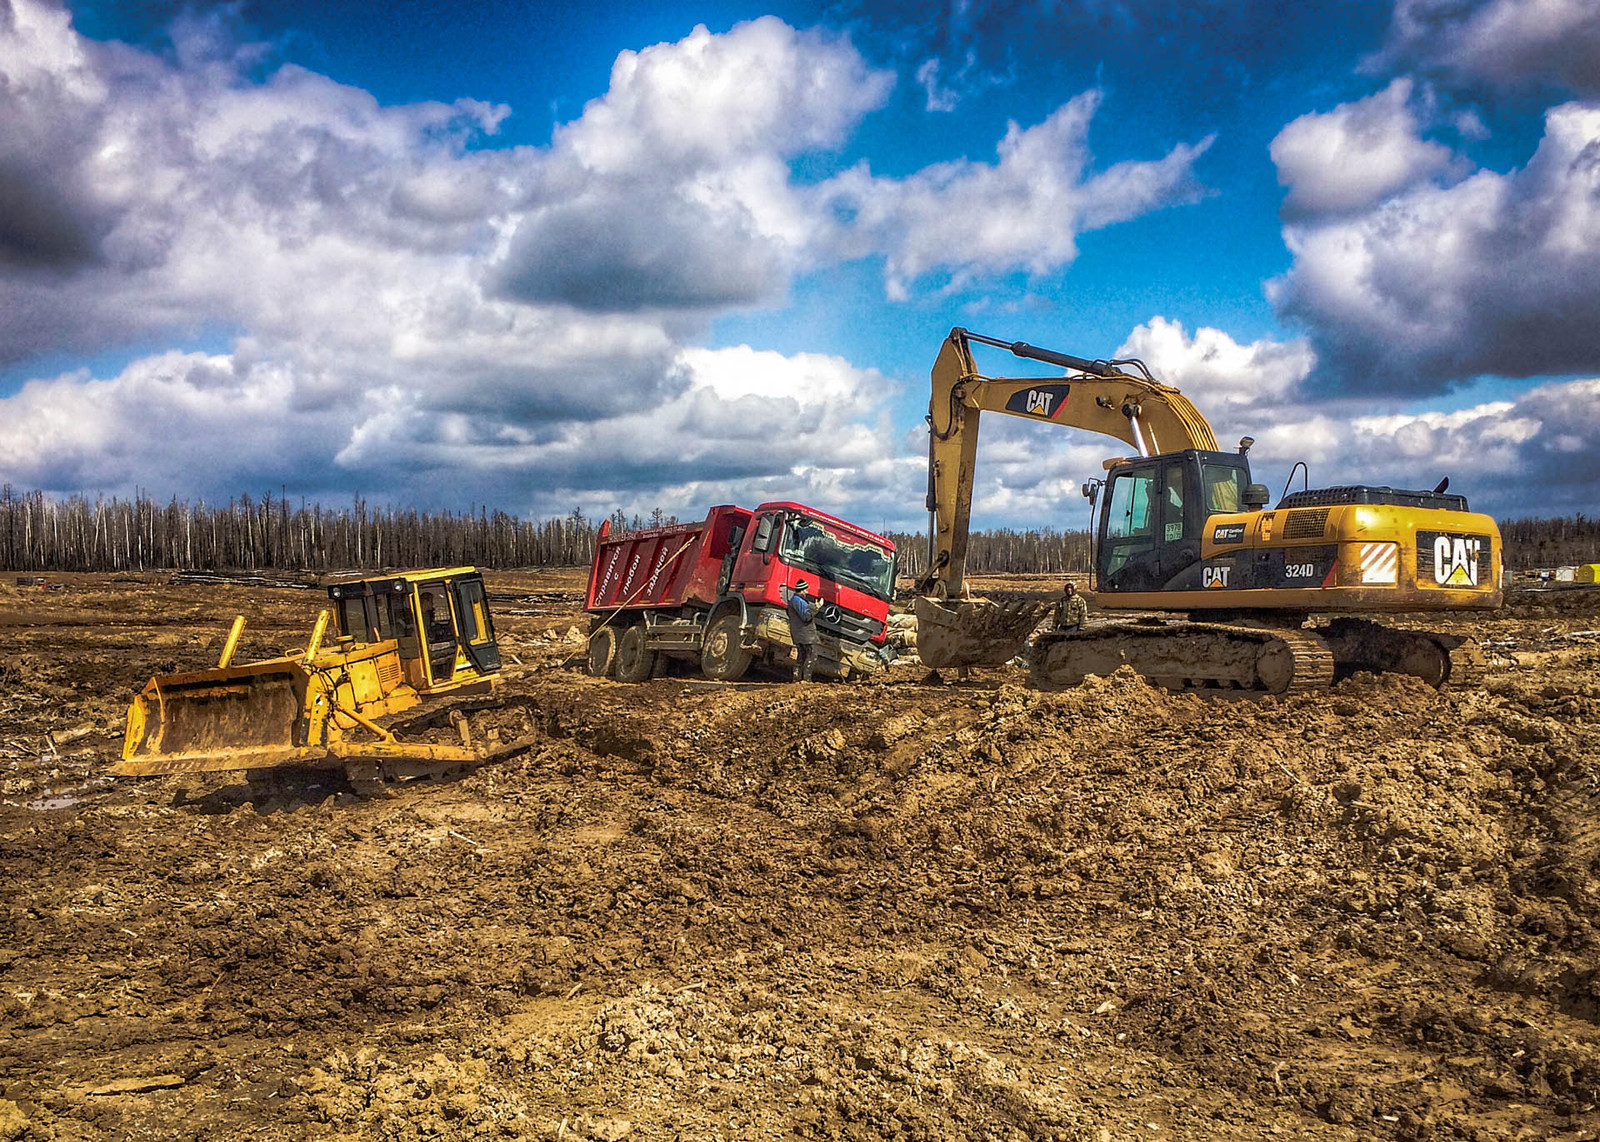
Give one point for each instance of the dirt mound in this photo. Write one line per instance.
(884, 910)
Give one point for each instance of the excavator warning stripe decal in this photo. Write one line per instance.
(1332, 576)
(1380, 563)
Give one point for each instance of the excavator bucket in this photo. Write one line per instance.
(248, 716)
(976, 632)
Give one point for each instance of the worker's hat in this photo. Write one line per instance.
(801, 585)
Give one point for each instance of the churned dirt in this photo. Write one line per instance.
(879, 910)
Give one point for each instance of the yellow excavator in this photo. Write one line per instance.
(397, 640)
(1183, 530)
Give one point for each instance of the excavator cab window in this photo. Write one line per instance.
(1130, 525)
(1153, 520)
(1172, 529)
(1225, 485)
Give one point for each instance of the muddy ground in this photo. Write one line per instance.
(881, 910)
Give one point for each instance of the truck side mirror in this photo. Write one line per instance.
(763, 540)
(735, 537)
(1256, 495)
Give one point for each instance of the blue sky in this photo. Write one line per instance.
(445, 254)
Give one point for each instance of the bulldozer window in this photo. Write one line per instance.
(474, 614)
(1224, 487)
(403, 625)
(385, 609)
(438, 631)
(353, 618)
(436, 616)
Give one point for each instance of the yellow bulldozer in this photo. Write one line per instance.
(1181, 528)
(398, 639)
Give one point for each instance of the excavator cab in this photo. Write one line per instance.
(1154, 510)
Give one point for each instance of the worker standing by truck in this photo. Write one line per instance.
(803, 629)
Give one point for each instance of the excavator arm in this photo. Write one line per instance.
(1097, 396)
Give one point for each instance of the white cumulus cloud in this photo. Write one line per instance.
(1497, 273)
(409, 307)
(1024, 211)
(1356, 155)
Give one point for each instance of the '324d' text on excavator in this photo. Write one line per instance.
(1182, 529)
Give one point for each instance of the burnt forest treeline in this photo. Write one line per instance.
(1561, 542)
(41, 533)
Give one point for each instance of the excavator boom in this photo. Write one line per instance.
(1100, 397)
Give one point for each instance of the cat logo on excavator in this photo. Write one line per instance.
(1455, 560)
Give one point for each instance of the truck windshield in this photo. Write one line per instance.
(815, 546)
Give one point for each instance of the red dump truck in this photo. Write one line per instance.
(714, 593)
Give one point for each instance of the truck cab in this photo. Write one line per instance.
(852, 571)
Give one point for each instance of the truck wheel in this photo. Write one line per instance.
(603, 652)
(722, 657)
(634, 662)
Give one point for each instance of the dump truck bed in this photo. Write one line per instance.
(663, 566)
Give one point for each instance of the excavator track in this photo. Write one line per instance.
(1438, 659)
(1467, 664)
(1314, 664)
(1189, 656)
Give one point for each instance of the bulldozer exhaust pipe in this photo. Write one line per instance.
(232, 644)
(316, 636)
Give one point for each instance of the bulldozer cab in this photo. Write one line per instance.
(1154, 511)
(439, 620)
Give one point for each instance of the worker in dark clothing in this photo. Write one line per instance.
(1071, 610)
(802, 612)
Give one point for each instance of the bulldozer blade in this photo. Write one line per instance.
(250, 717)
(977, 632)
(224, 761)
(230, 718)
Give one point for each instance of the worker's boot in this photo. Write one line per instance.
(805, 671)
